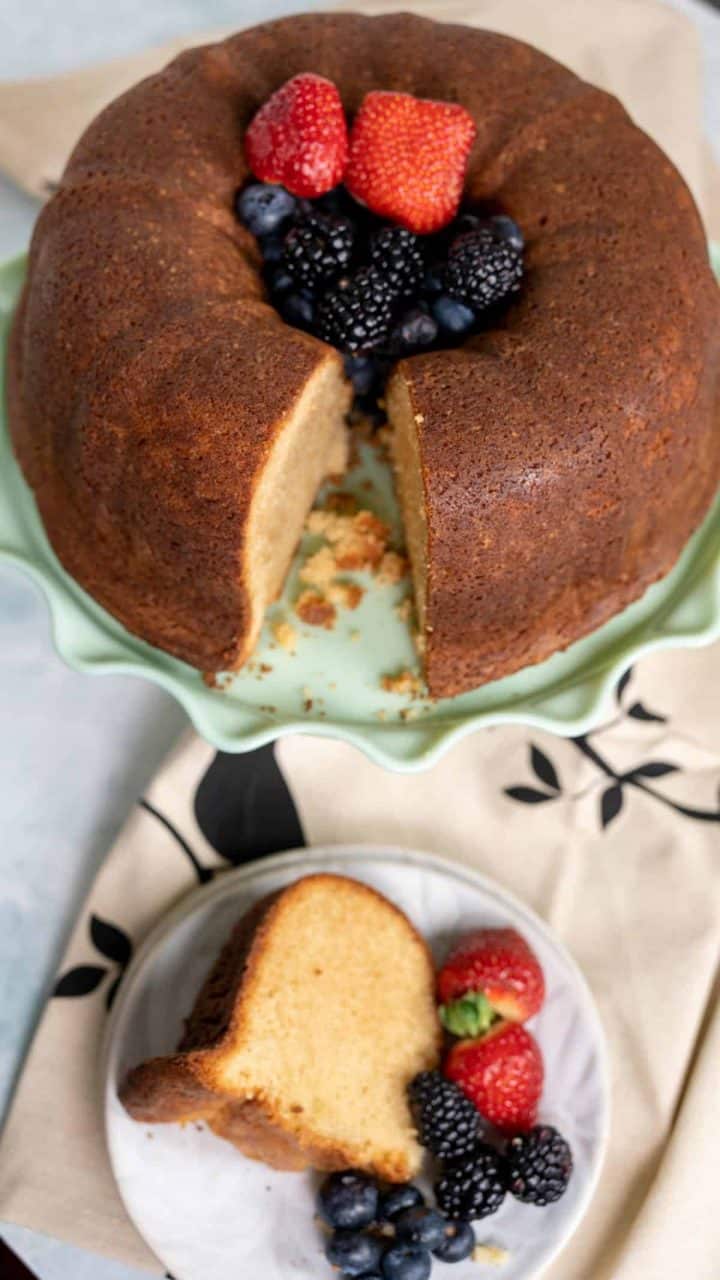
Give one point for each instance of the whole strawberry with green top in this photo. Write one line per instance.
(489, 974)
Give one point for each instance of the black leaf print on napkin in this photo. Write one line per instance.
(244, 808)
(80, 981)
(114, 945)
(654, 769)
(110, 941)
(614, 794)
(545, 770)
(639, 712)
(528, 795)
(610, 804)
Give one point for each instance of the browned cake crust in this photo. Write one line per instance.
(189, 1085)
(566, 457)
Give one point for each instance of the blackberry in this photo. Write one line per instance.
(538, 1165)
(397, 253)
(448, 1122)
(473, 1187)
(482, 269)
(318, 248)
(357, 314)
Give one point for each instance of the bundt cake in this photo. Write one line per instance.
(174, 429)
(302, 1041)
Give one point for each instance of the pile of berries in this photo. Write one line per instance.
(393, 1234)
(479, 1166)
(377, 291)
(476, 1117)
(389, 1234)
(360, 229)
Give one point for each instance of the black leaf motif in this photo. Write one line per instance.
(112, 991)
(80, 981)
(639, 712)
(110, 941)
(623, 683)
(244, 807)
(528, 795)
(544, 768)
(654, 769)
(610, 804)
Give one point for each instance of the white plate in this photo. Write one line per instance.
(209, 1213)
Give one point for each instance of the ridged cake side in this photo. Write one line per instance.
(564, 458)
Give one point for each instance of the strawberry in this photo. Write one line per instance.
(502, 1073)
(489, 972)
(299, 137)
(408, 158)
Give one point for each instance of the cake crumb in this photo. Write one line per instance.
(392, 568)
(319, 569)
(355, 636)
(285, 634)
(491, 1255)
(406, 683)
(315, 610)
(419, 418)
(270, 710)
(345, 594)
(420, 642)
(405, 609)
(265, 668)
(409, 713)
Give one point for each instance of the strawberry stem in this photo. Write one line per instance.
(470, 1016)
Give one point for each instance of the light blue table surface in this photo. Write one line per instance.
(75, 752)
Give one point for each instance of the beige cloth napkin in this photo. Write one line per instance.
(614, 847)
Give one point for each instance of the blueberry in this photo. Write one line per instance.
(453, 316)
(271, 248)
(421, 1226)
(362, 372)
(458, 1244)
(416, 329)
(397, 1199)
(298, 309)
(279, 280)
(507, 229)
(349, 1200)
(432, 283)
(406, 1262)
(263, 207)
(354, 1252)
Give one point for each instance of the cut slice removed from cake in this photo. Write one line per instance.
(316, 1016)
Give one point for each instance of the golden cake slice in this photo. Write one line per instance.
(317, 1014)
